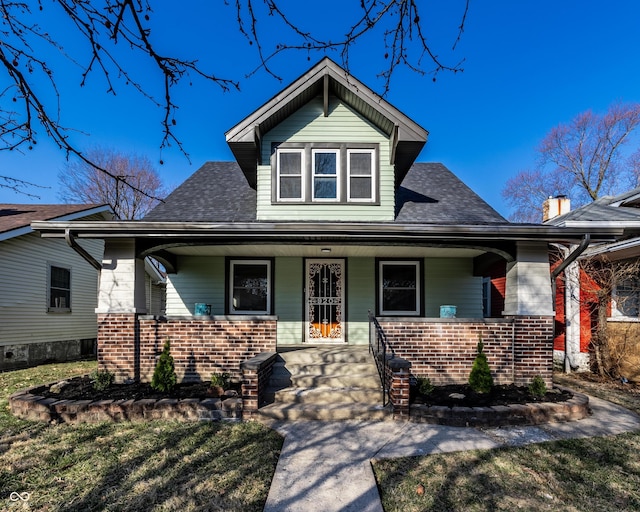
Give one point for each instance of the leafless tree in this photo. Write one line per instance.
(113, 28)
(583, 159)
(87, 183)
(602, 283)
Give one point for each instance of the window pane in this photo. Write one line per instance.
(250, 287)
(399, 288)
(628, 298)
(360, 188)
(60, 277)
(290, 187)
(290, 163)
(360, 163)
(399, 276)
(324, 188)
(325, 163)
(59, 287)
(399, 300)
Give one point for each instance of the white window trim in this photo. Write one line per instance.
(338, 177)
(232, 264)
(616, 314)
(303, 173)
(381, 266)
(372, 176)
(55, 309)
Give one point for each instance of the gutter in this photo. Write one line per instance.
(71, 242)
(571, 258)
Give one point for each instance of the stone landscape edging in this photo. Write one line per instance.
(27, 404)
(537, 413)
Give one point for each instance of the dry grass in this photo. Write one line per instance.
(131, 466)
(588, 474)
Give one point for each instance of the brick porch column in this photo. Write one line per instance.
(400, 373)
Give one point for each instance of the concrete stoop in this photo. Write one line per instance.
(324, 383)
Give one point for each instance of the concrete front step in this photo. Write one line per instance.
(324, 383)
(327, 369)
(329, 354)
(363, 380)
(328, 395)
(324, 412)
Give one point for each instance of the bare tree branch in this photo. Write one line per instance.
(113, 28)
(582, 159)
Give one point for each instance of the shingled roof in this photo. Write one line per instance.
(429, 194)
(432, 194)
(17, 216)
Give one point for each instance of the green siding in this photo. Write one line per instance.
(360, 298)
(199, 279)
(451, 281)
(341, 126)
(289, 300)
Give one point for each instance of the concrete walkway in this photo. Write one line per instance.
(326, 466)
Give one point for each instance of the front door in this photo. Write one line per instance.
(324, 292)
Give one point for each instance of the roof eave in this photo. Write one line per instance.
(318, 231)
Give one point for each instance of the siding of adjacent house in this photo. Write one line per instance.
(447, 281)
(24, 318)
(341, 126)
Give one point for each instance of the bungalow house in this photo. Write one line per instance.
(47, 308)
(576, 313)
(323, 226)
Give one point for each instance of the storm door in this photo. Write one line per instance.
(324, 291)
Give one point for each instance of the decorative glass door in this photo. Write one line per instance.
(324, 292)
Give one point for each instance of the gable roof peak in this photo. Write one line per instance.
(324, 79)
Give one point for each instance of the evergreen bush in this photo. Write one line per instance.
(220, 379)
(537, 387)
(480, 379)
(164, 376)
(101, 379)
(424, 386)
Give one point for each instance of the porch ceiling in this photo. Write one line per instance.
(325, 251)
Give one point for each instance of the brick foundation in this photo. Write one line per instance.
(129, 345)
(517, 348)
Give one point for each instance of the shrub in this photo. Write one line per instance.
(537, 387)
(101, 379)
(424, 386)
(220, 379)
(480, 379)
(164, 376)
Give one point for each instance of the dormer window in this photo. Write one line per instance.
(325, 173)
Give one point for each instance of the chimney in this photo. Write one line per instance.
(554, 207)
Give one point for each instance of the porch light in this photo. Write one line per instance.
(326, 250)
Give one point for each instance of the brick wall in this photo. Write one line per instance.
(130, 346)
(517, 348)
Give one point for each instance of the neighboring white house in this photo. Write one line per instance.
(48, 291)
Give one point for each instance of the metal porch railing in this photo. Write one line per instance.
(379, 347)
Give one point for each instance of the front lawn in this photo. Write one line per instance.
(160, 465)
(586, 474)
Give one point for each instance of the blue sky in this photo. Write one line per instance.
(529, 65)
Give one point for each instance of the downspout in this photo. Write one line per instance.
(68, 236)
(554, 274)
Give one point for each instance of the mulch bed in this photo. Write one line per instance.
(499, 395)
(81, 388)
